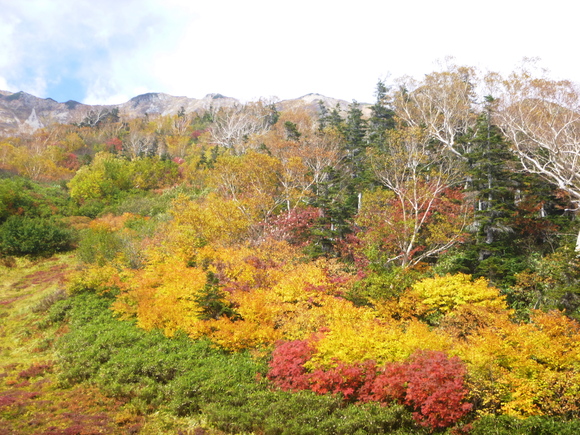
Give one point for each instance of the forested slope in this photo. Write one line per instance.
(309, 271)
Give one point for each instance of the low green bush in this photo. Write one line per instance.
(538, 425)
(34, 237)
(304, 413)
(98, 246)
(58, 311)
(140, 203)
(22, 197)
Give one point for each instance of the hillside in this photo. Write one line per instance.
(21, 112)
(296, 270)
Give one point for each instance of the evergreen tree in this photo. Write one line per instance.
(322, 116)
(515, 214)
(212, 301)
(491, 178)
(336, 196)
(492, 186)
(356, 144)
(330, 118)
(337, 199)
(382, 117)
(355, 127)
(273, 115)
(292, 132)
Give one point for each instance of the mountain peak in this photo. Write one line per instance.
(145, 97)
(21, 112)
(214, 97)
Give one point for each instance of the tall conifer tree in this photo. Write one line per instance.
(382, 117)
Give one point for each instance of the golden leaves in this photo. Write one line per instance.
(444, 293)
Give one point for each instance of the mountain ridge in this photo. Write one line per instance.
(21, 112)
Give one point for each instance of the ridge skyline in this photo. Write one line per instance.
(22, 112)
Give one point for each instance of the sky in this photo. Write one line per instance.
(108, 51)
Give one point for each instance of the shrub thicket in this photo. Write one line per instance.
(191, 377)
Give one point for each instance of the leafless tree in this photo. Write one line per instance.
(233, 126)
(141, 139)
(442, 103)
(541, 118)
(92, 116)
(419, 176)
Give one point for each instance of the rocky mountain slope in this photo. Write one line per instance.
(21, 112)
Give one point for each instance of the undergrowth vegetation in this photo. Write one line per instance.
(230, 390)
(85, 371)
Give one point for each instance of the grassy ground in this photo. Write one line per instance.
(31, 400)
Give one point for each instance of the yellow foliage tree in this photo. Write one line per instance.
(196, 223)
(163, 296)
(443, 294)
(250, 181)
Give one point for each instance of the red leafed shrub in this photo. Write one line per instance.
(436, 389)
(287, 366)
(351, 381)
(71, 161)
(114, 144)
(389, 385)
(294, 225)
(431, 383)
(197, 133)
(35, 370)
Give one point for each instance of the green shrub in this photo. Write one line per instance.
(505, 425)
(110, 178)
(22, 197)
(24, 236)
(102, 245)
(99, 246)
(142, 204)
(91, 208)
(383, 284)
(59, 310)
(304, 412)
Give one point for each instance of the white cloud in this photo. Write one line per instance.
(4, 84)
(83, 41)
(113, 49)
